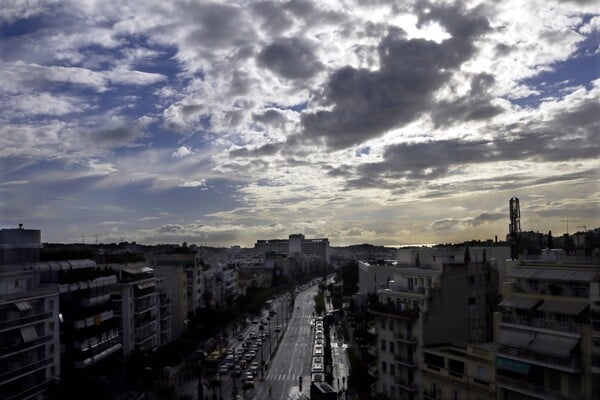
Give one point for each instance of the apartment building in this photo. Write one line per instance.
(425, 306)
(459, 372)
(29, 335)
(165, 329)
(296, 243)
(136, 303)
(89, 330)
(547, 333)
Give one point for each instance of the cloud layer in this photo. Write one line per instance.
(222, 123)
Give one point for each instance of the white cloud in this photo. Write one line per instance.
(181, 152)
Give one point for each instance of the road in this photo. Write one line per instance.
(293, 359)
(232, 385)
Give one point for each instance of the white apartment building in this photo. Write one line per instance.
(296, 243)
(29, 335)
(136, 303)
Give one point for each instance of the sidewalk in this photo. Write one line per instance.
(340, 362)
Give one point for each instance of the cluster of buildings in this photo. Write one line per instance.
(472, 323)
(59, 318)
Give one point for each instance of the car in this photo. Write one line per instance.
(248, 378)
(259, 342)
(317, 368)
(254, 368)
(317, 360)
(240, 337)
(319, 342)
(254, 321)
(317, 377)
(265, 335)
(239, 352)
(252, 335)
(264, 322)
(318, 350)
(249, 356)
(237, 370)
(278, 328)
(223, 369)
(254, 348)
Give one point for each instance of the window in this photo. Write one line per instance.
(383, 345)
(382, 323)
(392, 369)
(471, 301)
(455, 395)
(481, 372)
(384, 367)
(392, 346)
(391, 325)
(471, 280)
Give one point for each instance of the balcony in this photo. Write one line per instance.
(391, 310)
(143, 306)
(25, 369)
(432, 394)
(372, 328)
(374, 392)
(405, 361)
(405, 385)
(373, 371)
(27, 320)
(7, 349)
(405, 338)
(372, 350)
(571, 364)
(542, 323)
(529, 389)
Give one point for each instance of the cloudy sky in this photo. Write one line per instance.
(219, 123)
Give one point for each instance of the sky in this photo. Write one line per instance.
(220, 123)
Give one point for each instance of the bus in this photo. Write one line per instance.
(213, 361)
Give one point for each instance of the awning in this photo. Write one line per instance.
(29, 334)
(23, 306)
(564, 307)
(520, 339)
(554, 345)
(518, 367)
(522, 302)
(145, 285)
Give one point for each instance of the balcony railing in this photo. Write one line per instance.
(405, 361)
(373, 371)
(529, 388)
(372, 350)
(7, 349)
(13, 323)
(393, 310)
(405, 338)
(405, 385)
(571, 364)
(25, 369)
(543, 323)
(372, 328)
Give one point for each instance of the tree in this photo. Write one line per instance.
(550, 240)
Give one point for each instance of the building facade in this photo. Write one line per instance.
(547, 332)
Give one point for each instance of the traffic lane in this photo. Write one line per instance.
(294, 362)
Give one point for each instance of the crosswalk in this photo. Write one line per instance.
(281, 377)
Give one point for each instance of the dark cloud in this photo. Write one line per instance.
(445, 224)
(270, 117)
(475, 105)
(365, 103)
(570, 135)
(113, 137)
(486, 217)
(265, 150)
(216, 26)
(274, 19)
(291, 58)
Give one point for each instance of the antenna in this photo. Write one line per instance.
(567, 221)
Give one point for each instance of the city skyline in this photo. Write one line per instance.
(391, 124)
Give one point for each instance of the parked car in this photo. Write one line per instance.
(278, 328)
(223, 370)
